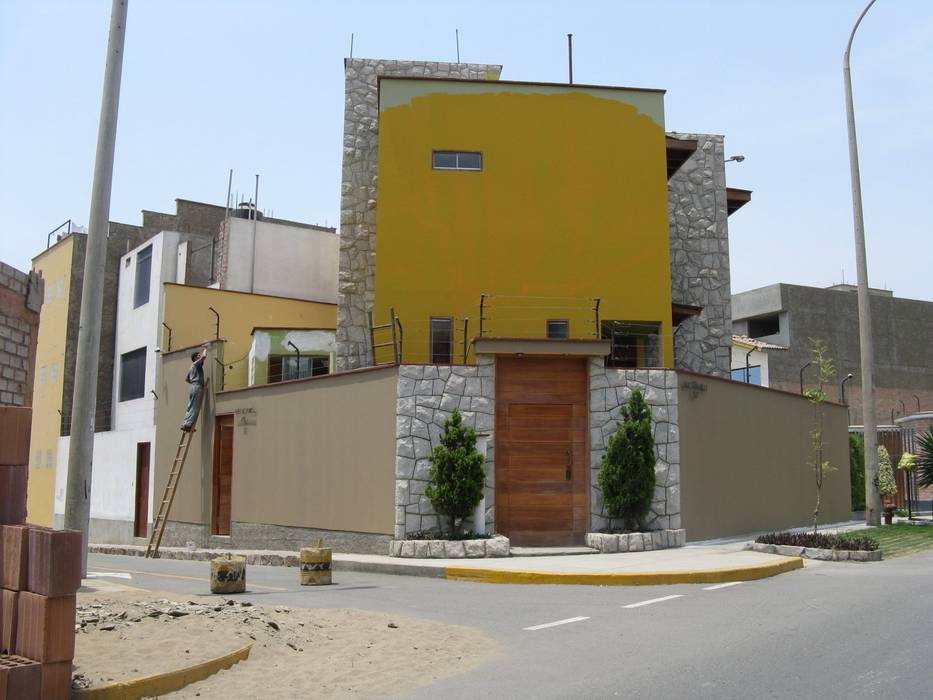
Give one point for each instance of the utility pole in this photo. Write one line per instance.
(81, 446)
(869, 423)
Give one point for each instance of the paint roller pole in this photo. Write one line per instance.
(81, 445)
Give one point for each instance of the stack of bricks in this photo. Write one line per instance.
(40, 573)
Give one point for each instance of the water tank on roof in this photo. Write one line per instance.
(244, 210)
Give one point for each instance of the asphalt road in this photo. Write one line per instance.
(832, 630)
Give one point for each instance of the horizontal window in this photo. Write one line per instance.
(764, 326)
(558, 329)
(457, 160)
(283, 368)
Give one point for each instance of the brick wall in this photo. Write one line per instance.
(19, 326)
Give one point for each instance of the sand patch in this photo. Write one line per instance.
(297, 652)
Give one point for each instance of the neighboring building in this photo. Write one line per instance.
(531, 276)
(902, 329)
(20, 302)
(750, 360)
(287, 258)
(283, 354)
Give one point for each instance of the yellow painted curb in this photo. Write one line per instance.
(162, 683)
(640, 578)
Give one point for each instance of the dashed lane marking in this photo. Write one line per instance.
(722, 585)
(555, 624)
(652, 601)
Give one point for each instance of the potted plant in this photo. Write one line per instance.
(887, 487)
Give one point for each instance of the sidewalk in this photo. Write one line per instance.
(710, 563)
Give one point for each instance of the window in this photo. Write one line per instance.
(754, 374)
(133, 375)
(54, 373)
(42, 375)
(38, 464)
(456, 160)
(634, 343)
(558, 329)
(143, 273)
(765, 325)
(48, 459)
(282, 368)
(442, 340)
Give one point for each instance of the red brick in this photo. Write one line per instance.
(15, 425)
(56, 681)
(20, 679)
(45, 627)
(8, 612)
(15, 550)
(13, 493)
(54, 562)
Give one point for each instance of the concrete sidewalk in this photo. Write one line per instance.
(718, 563)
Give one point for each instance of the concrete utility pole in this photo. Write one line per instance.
(872, 497)
(81, 446)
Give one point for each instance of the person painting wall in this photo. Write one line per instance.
(195, 379)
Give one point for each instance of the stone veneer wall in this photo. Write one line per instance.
(609, 390)
(356, 287)
(699, 234)
(427, 396)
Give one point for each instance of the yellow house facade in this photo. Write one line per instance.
(55, 266)
(521, 210)
(189, 315)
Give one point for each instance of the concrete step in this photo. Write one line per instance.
(549, 551)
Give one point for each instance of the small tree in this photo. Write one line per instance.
(924, 461)
(857, 470)
(458, 472)
(817, 397)
(626, 475)
(887, 487)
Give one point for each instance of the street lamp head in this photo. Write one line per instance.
(737, 159)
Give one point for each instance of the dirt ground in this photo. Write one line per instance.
(297, 652)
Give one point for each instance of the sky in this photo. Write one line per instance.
(258, 87)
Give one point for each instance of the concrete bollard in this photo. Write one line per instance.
(314, 563)
(228, 574)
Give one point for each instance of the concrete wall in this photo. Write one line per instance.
(902, 330)
(20, 301)
(312, 455)
(290, 260)
(744, 456)
(699, 241)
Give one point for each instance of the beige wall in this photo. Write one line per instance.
(315, 453)
(744, 456)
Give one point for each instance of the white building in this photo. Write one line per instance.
(750, 360)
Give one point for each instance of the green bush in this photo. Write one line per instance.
(924, 461)
(857, 469)
(458, 472)
(886, 484)
(626, 475)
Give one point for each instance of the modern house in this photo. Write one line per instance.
(790, 315)
(532, 276)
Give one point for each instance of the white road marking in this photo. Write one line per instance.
(555, 624)
(653, 600)
(109, 574)
(722, 585)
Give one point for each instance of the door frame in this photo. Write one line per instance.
(141, 506)
(215, 472)
(587, 466)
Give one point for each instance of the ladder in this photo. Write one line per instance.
(158, 525)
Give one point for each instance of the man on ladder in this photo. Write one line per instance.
(196, 379)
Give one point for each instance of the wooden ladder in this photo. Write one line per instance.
(158, 525)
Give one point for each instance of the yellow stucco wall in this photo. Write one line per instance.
(188, 315)
(55, 267)
(571, 204)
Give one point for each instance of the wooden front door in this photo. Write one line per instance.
(222, 482)
(542, 474)
(141, 522)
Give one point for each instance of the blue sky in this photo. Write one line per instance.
(258, 87)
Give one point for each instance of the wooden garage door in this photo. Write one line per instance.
(222, 482)
(542, 475)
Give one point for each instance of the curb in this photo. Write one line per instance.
(162, 683)
(641, 578)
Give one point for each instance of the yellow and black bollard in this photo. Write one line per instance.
(314, 563)
(228, 574)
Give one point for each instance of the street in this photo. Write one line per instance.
(830, 630)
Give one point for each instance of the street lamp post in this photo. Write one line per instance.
(872, 497)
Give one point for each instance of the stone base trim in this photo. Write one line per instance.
(815, 553)
(608, 543)
(497, 546)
